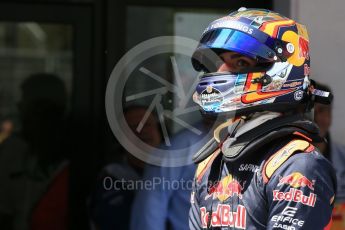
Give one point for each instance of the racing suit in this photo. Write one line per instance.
(267, 177)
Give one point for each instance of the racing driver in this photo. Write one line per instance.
(260, 170)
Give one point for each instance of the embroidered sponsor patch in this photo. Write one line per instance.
(224, 217)
(295, 195)
(287, 220)
(297, 180)
(224, 189)
(248, 168)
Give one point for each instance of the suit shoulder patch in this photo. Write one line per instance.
(282, 155)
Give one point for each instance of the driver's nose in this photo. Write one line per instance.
(225, 67)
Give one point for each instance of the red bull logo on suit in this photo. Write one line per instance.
(226, 188)
(297, 180)
(224, 217)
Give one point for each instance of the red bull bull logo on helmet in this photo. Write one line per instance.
(297, 180)
(224, 189)
(304, 48)
(224, 217)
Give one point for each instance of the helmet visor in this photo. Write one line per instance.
(236, 41)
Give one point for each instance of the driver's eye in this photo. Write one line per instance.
(242, 63)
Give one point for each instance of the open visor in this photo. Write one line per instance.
(231, 40)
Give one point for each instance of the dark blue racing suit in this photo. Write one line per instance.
(272, 177)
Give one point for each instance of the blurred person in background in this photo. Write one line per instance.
(110, 205)
(11, 146)
(34, 170)
(165, 206)
(323, 118)
(334, 152)
(6, 129)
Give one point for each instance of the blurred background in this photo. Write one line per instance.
(56, 57)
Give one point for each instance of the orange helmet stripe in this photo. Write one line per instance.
(271, 28)
(255, 93)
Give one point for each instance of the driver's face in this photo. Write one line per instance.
(235, 62)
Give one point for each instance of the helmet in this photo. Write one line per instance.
(280, 80)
